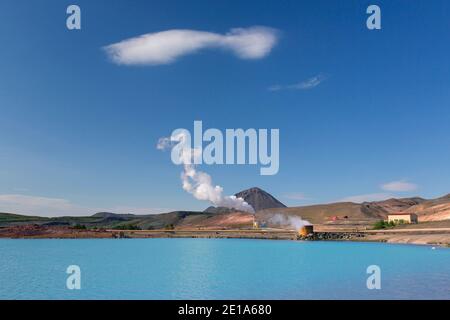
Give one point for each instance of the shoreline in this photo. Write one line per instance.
(440, 245)
(432, 237)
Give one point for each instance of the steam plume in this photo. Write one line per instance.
(291, 221)
(196, 182)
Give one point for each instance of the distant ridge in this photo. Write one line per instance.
(112, 215)
(366, 213)
(259, 199)
(213, 209)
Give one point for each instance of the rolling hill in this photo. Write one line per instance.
(433, 210)
(341, 212)
(368, 212)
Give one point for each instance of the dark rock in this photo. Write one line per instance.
(259, 199)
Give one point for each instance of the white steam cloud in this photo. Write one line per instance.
(291, 221)
(166, 47)
(199, 183)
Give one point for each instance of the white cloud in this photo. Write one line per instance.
(393, 186)
(54, 207)
(399, 186)
(167, 46)
(164, 143)
(304, 85)
(367, 197)
(275, 87)
(22, 204)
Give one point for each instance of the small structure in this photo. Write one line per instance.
(259, 224)
(402, 217)
(256, 224)
(306, 230)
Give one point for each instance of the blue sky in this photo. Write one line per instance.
(78, 132)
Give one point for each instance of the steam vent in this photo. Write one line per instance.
(306, 231)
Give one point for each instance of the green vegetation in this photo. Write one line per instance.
(16, 218)
(382, 224)
(79, 227)
(126, 227)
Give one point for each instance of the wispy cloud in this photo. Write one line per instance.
(35, 205)
(392, 188)
(20, 189)
(166, 47)
(163, 143)
(53, 207)
(367, 197)
(399, 186)
(295, 196)
(303, 85)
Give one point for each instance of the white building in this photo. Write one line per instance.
(403, 217)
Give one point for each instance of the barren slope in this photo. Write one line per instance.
(433, 210)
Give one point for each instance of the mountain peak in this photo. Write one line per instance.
(259, 199)
(254, 189)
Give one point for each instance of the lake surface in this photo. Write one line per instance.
(220, 269)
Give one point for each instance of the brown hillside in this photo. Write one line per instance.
(433, 210)
(321, 213)
(427, 210)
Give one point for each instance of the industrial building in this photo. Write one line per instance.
(403, 217)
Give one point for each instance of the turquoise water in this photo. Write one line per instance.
(220, 269)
